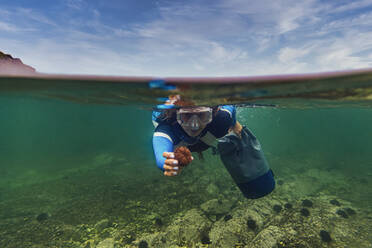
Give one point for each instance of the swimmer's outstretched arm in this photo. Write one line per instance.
(163, 151)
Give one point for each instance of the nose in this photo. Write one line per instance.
(194, 123)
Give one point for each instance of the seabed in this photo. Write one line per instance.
(106, 206)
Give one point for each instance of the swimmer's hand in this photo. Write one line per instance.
(237, 129)
(171, 166)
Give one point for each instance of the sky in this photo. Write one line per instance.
(188, 38)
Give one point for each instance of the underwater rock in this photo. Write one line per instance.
(227, 217)
(212, 189)
(236, 232)
(342, 213)
(350, 211)
(305, 212)
(190, 228)
(186, 230)
(107, 243)
(102, 224)
(325, 236)
(305, 185)
(288, 206)
(277, 208)
(205, 240)
(158, 222)
(42, 217)
(103, 159)
(307, 203)
(268, 237)
(69, 232)
(227, 234)
(252, 224)
(143, 244)
(216, 207)
(88, 244)
(335, 202)
(183, 155)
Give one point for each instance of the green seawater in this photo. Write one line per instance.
(83, 175)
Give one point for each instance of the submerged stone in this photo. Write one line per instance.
(288, 206)
(163, 239)
(42, 217)
(335, 202)
(307, 203)
(205, 240)
(227, 217)
(305, 212)
(143, 244)
(342, 213)
(281, 244)
(277, 208)
(252, 224)
(101, 225)
(350, 211)
(325, 236)
(158, 221)
(216, 207)
(107, 243)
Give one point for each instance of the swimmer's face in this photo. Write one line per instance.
(194, 120)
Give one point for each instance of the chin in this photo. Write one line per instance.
(193, 134)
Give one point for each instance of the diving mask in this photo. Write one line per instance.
(194, 117)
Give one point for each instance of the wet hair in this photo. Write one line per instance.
(168, 115)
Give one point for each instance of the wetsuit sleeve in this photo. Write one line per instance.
(222, 121)
(231, 109)
(162, 141)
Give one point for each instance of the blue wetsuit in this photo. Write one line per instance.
(169, 134)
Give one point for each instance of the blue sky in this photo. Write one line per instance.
(188, 38)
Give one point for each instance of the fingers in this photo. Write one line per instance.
(170, 174)
(171, 167)
(237, 129)
(168, 154)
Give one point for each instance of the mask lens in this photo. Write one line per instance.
(185, 117)
(205, 117)
(190, 117)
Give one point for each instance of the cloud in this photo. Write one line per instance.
(359, 21)
(31, 15)
(75, 4)
(352, 5)
(276, 17)
(288, 54)
(219, 53)
(7, 27)
(349, 52)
